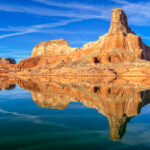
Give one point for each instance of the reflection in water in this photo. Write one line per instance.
(7, 84)
(11, 87)
(118, 102)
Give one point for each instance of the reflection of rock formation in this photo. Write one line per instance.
(7, 84)
(118, 102)
(51, 100)
(118, 127)
(8, 87)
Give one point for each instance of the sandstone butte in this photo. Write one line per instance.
(120, 52)
(118, 100)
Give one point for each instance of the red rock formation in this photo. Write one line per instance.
(6, 65)
(7, 61)
(54, 47)
(120, 45)
(119, 22)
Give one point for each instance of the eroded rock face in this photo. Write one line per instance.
(119, 45)
(52, 48)
(119, 48)
(119, 22)
(6, 65)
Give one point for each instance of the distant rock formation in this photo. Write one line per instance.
(7, 61)
(11, 61)
(6, 65)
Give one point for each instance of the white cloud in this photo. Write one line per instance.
(137, 12)
(17, 114)
(34, 28)
(74, 5)
(82, 12)
(44, 11)
(137, 15)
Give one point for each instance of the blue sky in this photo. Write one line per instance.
(25, 23)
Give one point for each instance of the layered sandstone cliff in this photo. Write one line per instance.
(119, 46)
(54, 47)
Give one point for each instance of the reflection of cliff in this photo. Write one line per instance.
(7, 84)
(118, 102)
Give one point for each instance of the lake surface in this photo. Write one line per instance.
(43, 116)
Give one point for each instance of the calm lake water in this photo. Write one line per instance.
(74, 117)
